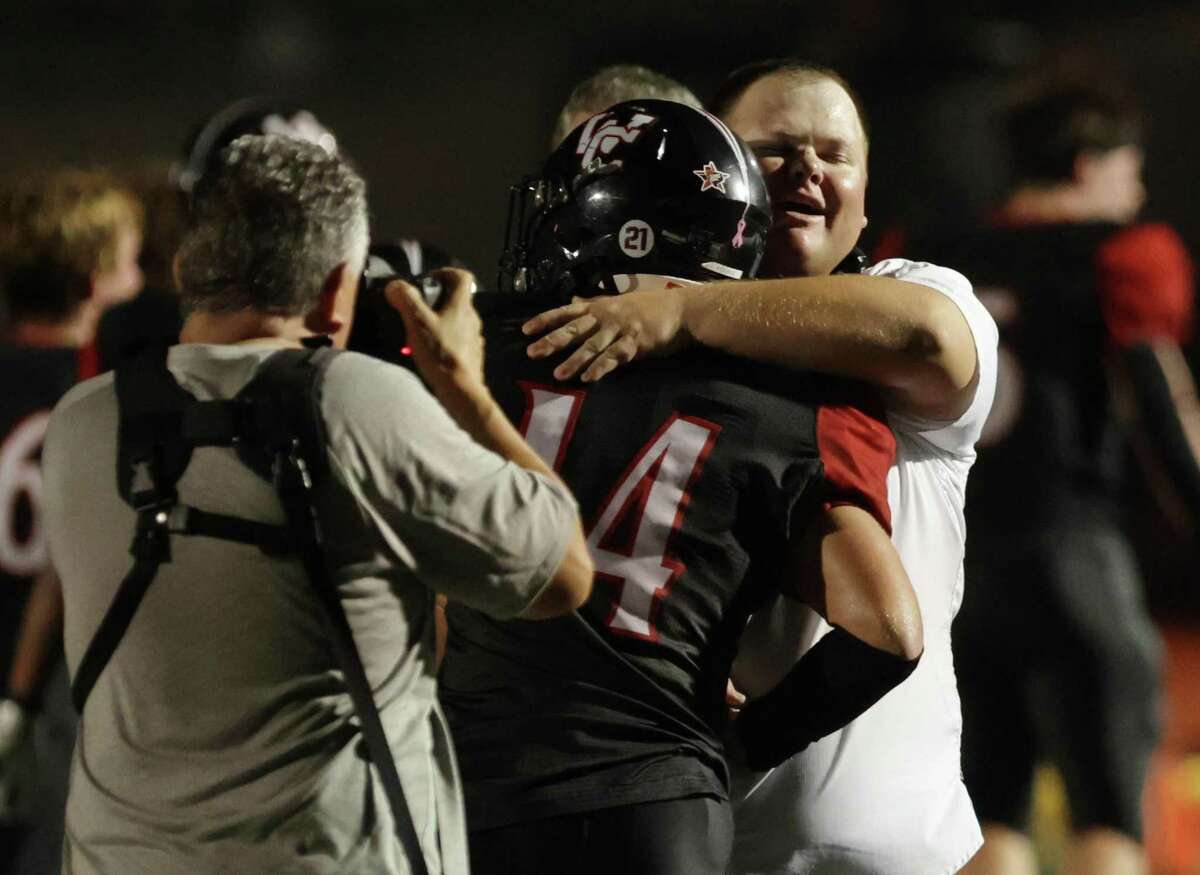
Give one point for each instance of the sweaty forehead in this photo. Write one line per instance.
(784, 107)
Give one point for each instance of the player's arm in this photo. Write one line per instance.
(901, 336)
(39, 634)
(448, 349)
(1146, 285)
(842, 563)
(1168, 413)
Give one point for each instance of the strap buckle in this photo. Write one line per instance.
(152, 539)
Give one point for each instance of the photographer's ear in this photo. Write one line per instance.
(333, 313)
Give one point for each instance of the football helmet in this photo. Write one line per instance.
(645, 187)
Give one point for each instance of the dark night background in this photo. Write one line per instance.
(443, 105)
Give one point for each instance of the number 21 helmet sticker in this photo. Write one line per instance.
(635, 238)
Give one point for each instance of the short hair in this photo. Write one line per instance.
(1049, 127)
(617, 84)
(270, 223)
(57, 231)
(737, 83)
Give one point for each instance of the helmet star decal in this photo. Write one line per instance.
(711, 177)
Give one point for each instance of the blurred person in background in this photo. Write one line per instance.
(69, 245)
(152, 318)
(615, 84)
(884, 795)
(220, 733)
(1058, 657)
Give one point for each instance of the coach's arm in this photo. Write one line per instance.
(902, 336)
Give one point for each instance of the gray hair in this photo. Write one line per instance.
(270, 224)
(617, 84)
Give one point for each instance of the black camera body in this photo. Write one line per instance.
(378, 330)
(380, 270)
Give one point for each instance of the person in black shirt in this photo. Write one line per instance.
(1087, 301)
(594, 743)
(69, 244)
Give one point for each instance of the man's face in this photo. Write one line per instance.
(813, 154)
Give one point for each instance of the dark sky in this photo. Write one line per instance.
(443, 105)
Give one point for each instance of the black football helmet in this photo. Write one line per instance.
(647, 186)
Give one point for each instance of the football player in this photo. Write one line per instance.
(884, 796)
(1087, 300)
(69, 246)
(594, 743)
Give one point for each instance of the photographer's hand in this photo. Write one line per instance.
(447, 346)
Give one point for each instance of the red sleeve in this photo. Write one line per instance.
(1145, 278)
(892, 243)
(857, 449)
(89, 361)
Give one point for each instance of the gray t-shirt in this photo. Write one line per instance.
(219, 738)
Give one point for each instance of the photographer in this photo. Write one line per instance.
(220, 735)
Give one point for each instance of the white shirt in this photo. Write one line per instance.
(884, 795)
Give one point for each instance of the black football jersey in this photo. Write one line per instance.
(33, 380)
(1064, 298)
(689, 472)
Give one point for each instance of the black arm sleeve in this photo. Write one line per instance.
(838, 679)
(1164, 429)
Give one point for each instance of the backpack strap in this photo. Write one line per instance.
(160, 424)
(297, 376)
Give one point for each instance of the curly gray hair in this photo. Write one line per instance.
(270, 224)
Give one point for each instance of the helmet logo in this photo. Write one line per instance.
(635, 238)
(603, 133)
(711, 177)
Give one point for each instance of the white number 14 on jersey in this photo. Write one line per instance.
(630, 539)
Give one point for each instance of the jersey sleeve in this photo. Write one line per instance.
(857, 449)
(1146, 283)
(958, 436)
(467, 522)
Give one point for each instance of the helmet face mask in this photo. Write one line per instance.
(649, 187)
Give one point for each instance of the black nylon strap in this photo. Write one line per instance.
(112, 629)
(160, 424)
(294, 482)
(342, 639)
(272, 539)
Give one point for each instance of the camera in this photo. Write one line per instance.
(381, 269)
(378, 330)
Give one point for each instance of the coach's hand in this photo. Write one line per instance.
(609, 331)
(447, 344)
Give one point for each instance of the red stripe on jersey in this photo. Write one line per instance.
(89, 361)
(1145, 280)
(857, 449)
(892, 243)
